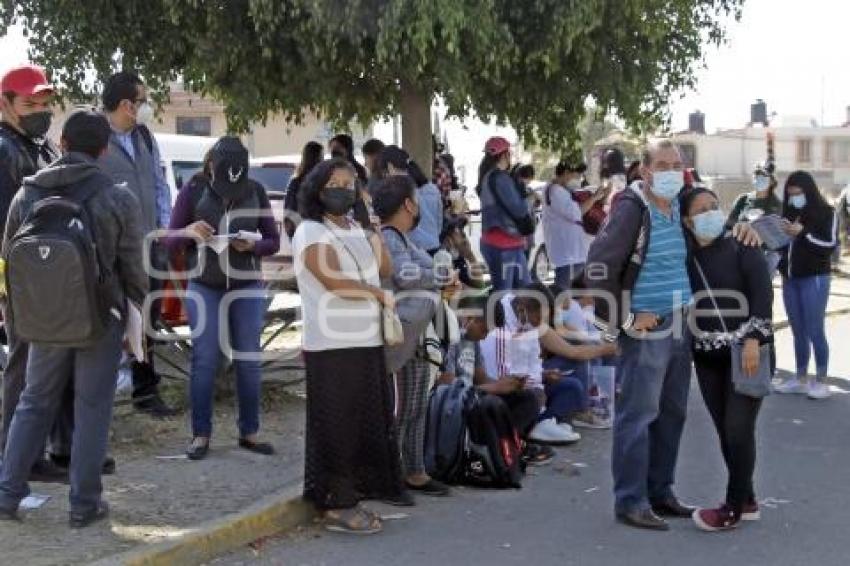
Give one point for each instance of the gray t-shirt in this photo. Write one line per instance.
(462, 359)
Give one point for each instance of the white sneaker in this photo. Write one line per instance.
(550, 432)
(819, 390)
(590, 420)
(792, 385)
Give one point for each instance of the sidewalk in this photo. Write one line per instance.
(158, 496)
(154, 499)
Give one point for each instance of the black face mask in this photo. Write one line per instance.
(35, 125)
(416, 218)
(337, 200)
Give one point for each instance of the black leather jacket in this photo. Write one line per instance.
(19, 157)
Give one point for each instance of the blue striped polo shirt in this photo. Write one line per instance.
(663, 285)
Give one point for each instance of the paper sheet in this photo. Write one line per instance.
(769, 228)
(220, 243)
(34, 501)
(134, 332)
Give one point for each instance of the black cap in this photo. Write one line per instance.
(613, 163)
(229, 160)
(86, 131)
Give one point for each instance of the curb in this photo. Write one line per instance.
(271, 515)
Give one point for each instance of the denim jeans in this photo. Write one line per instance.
(566, 274)
(93, 372)
(805, 301)
(655, 374)
(243, 325)
(508, 268)
(569, 395)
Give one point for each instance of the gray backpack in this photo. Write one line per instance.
(58, 291)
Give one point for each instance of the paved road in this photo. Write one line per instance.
(561, 518)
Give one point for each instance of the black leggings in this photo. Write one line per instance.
(734, 416)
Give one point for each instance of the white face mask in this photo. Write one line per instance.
(144, 114)
(574, 184)
(618, 182)
(667, 184)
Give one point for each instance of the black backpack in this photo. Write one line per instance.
(494, 448)
(445, 431)
(58, 290)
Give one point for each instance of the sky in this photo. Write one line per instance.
(791, 53)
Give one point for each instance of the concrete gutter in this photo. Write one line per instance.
(270, 516)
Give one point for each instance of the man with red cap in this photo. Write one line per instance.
(25, 101)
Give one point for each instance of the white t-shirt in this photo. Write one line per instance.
(566, 241)
(331, 322)
(513, 350)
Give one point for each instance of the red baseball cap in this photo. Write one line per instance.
(26, 80)
(497, 146)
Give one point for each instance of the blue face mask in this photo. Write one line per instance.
(761, 183)
(797, 201)
(667, 184)
(709, 225)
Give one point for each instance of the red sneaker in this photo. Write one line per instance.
(721, 519)
(751, 511)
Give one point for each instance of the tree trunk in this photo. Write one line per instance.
(416, 127)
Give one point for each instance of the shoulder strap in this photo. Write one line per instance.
(147, 137)
(350, 253)
(710, 295)
(498, 198)
(398, 232)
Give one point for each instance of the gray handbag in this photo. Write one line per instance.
(756, 386)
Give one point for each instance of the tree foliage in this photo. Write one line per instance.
(530, 63)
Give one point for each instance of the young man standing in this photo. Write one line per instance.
(25, 102)
(92, 368)
(132, 158)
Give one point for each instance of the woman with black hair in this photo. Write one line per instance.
(311, 155)
(395, 161)
(351, 452)
(342, 146)
(414, 279)
(717, 266)
(806, 265)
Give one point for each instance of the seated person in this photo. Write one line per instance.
(523, 331)
(463, 361)
(576, 326)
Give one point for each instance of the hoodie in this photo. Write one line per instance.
(113, 210)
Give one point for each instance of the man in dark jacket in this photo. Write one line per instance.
(24, 149)
(639, 261)
(132, 158)
(637, 271)
(92, 369)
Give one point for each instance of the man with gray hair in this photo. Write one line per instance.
(637, 267)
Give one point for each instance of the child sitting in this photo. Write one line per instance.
(514, 348)
(464, 361)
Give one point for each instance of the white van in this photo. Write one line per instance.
(182, 157)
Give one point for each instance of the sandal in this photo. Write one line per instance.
(353, 521)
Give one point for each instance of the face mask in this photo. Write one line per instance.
(338, 154)
(761, 183)
(709, 225)
(35, 125)
(574, 184)
(797, 201)
(455, 255)
(667, 184)
(337, 200)
(618, 182)
(144, 114)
